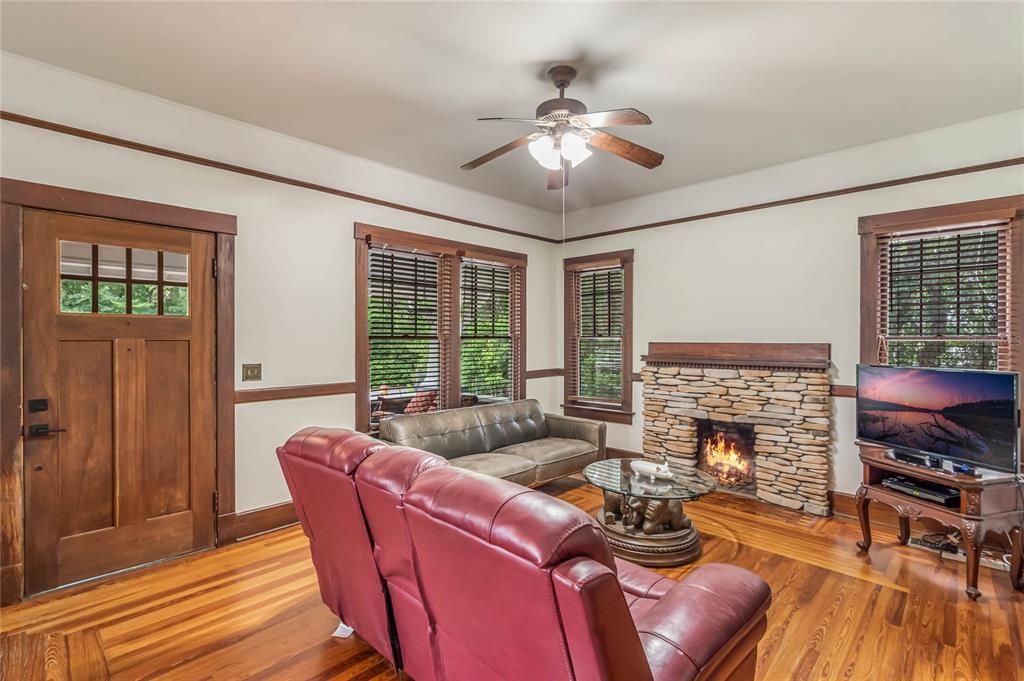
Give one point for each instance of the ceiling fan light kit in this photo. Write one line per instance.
(565, 129)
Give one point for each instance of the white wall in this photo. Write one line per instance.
(294, 251)
(787, 274)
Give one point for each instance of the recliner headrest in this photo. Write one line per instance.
(338, 448)
(530, 524)
(397, 467)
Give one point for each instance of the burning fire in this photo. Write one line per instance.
(724, 460)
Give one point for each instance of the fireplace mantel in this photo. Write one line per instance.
(798, 356)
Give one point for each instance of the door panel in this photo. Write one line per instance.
(84, 461)
(167, 427)
(128, 475)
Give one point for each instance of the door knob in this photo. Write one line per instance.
(41, 429)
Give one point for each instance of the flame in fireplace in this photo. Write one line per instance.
(724, 460)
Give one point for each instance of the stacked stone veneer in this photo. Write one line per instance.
(789, 410)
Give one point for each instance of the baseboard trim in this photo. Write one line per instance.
(616, 453)
(232, 527)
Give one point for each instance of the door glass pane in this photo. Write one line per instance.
(112, 297)
(176, 301)
(176, 268)
(112, 262)
(143, 265)
(75, 295)
(144, 296)
(76, 258)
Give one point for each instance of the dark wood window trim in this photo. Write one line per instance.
(452, 253)
(938, 219)
(573, 405)
(18, 195)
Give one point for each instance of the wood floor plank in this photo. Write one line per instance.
(253, 611)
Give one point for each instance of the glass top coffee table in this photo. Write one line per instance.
(643, 516)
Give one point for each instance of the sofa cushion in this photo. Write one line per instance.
(451, 433)
(555, 456)
(505, 466)
(548, 450)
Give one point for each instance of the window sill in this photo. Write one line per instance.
(609, 414)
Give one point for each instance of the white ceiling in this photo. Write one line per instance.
(730, 86)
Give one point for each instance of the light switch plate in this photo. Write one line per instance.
(252, 372)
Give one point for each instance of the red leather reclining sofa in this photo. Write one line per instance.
(458, 576)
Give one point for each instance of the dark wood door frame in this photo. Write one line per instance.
(15, 197)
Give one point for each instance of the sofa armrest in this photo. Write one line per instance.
(712, 620)
(575, 428)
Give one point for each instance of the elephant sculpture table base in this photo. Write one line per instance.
(651, 532)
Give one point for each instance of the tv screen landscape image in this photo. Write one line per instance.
(968, 416)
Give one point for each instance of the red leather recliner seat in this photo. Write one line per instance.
(490, 580)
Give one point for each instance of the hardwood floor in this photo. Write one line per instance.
(252, 610)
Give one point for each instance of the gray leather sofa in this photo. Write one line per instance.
(512, 440)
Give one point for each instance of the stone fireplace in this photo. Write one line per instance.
(757, 416)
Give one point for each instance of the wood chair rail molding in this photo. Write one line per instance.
(18, 195)
(271, 177)
(292, 392)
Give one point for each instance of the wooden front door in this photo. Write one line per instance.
(118, 395)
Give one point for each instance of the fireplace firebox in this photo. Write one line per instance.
(726, 451)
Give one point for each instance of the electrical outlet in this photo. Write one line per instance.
(252, 372)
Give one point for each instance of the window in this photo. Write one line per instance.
(102, 279)
(485, 354)
(402, 315)
(940, 286)
(943, 299)
(443, 324)
(598, 334)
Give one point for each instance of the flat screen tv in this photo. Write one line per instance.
(972, 417)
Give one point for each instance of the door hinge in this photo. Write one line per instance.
(213, 267)
(216, 503)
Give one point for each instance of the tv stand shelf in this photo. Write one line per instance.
(989, 503)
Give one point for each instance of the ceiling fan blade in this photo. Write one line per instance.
(531, 121)
(623, 148)
(559, 178)
(491, 155)
(613, 117)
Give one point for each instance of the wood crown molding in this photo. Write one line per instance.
(210, 163)
(65, 200)
(437, 245)
(855, 189)
(242, 170)
(292, 392)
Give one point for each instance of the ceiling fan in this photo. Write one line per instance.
(565, 129)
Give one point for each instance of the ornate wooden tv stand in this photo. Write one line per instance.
(990, 503)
